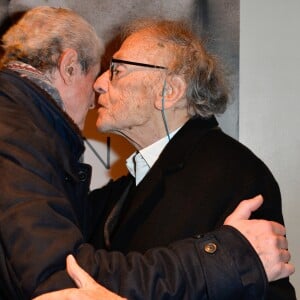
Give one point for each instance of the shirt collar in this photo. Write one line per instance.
(150, 154)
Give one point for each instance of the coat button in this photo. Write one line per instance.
(198, 236)
(210, 248)
(82, 176)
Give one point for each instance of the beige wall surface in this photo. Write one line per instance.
(270, 102)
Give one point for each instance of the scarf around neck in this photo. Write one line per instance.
(37, 77)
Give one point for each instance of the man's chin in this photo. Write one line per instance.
(104, 128)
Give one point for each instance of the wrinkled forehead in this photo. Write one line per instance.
(143, 46)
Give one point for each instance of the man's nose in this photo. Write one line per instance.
(101, 83)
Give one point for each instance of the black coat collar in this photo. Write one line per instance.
(178, 149)
(172, 159)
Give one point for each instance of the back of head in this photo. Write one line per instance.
(207, 93)
(43, 33)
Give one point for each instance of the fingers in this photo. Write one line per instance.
(283, 268)
(244, 209)
(272, 247)
(282, 242)
(285, 256)
(278, 229)
(268, 240)
(80, 277)
(89, 288)
(62, 295)
(286, 270)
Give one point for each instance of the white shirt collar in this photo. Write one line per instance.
(150, 155)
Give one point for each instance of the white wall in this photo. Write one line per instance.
(270, 100)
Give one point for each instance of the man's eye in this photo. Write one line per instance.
(115, 71)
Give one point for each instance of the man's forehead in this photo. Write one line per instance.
(141, 46)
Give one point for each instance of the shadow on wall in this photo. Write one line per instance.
(118, 150)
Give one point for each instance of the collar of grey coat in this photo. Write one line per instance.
(37, 77)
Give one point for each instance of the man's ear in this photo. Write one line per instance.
(68, 65)
(174, 91)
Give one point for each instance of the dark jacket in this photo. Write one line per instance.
(43, 189)
(199, 178)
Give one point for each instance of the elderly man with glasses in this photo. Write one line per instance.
(161, 93)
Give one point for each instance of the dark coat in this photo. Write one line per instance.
(43, 189)
(199, 178)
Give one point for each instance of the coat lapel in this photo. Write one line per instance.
(172, 159)
(113, 216)
(182, 144)
(143, 198)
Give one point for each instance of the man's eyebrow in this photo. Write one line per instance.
(160, 44)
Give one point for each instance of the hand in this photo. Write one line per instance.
(88, 288)
(266, 237)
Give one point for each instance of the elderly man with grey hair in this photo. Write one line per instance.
(51, 60)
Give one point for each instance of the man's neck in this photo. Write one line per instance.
(142, 137)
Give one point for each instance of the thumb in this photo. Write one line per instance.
(244, 209)
(80, 277)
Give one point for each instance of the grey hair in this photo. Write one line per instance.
(207, 91)
(43, 33)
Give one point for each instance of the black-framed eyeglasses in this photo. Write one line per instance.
(115, 60)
